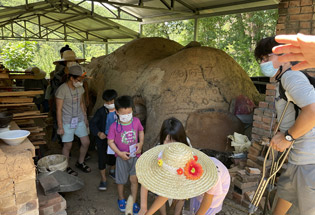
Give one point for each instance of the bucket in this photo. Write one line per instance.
(52, 163)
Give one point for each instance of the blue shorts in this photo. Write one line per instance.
(79, 131)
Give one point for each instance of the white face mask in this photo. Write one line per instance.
(125, 118)
(109, 107)
(77, 84)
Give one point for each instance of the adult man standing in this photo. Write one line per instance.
(296, 185)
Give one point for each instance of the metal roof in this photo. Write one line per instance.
(60, 20)
(150, 11)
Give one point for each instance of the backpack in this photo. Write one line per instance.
(282, 90)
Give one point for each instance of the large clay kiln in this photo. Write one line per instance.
(168, 79)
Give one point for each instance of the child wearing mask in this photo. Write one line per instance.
(177, 171)
(99, 127)
(172, 130)
(123, 140)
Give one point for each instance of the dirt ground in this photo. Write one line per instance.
(90, 201)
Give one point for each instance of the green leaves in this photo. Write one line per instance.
(18, 55)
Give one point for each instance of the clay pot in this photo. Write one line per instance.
(5, 119)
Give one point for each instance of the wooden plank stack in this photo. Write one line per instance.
(25, 113)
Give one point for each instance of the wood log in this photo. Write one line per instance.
(22, 93)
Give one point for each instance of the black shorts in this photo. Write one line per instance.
(103, 157)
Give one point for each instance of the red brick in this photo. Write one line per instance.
(256, 137)
(257, 146)
(257, 124)
(252, 157)
(253, 151)
(281, 31)
(267, 119)
(263, 104)
(305, 24)
(258, 112)
(282, 18)
(301, 17)
(294, 3)
(258, 131)
(265, 126)
(237, 197)
(305, 31)
(267, 133)
(269, 112)
(283, 5)
(251, 163)
(271, 87)
(280, 26)
(270, 98)
(270, 92)
(293, 25)
(307, 9)
(257, 118)
(271, 106)
(294, 10)
(306, 2)
(282, 11)
(244, 185)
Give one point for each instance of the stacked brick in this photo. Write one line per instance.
(245, 181)
(245, 184)
(296, 16)
(17, 180)
(51, 204)
(265, 115)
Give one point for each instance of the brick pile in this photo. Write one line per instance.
(17, 179)
(265, 114)
(51, 204)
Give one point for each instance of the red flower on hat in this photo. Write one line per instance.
(196, 158)
(193, 170)
(180, 171)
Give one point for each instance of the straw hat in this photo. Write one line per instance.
(176, 171)
(69, 56)
(38, 73)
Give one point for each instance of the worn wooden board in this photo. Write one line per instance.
(22, 93)
(209, 129)
(31, 117)
(25, 122)
(4, 76)
(15, 100)
(26, 113)
(17, 104)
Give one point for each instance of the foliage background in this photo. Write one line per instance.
(235, 34)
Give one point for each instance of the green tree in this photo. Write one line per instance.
(18, 56)
(235, 34)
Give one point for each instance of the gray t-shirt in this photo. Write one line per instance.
(303, 94)
(71, 102)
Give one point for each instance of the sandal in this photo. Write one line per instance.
(71, 171)
(83, 167)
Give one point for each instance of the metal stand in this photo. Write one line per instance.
(275, 167)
